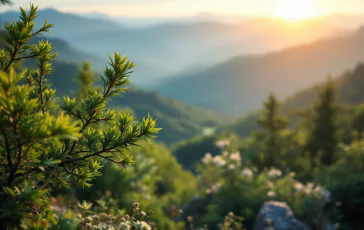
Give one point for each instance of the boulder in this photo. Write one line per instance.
(277, 216)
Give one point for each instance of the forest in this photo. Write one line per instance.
(84, 148)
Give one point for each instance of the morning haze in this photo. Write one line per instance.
(253, 113)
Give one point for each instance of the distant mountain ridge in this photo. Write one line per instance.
(170, 48)
(66, 25)
(239, 85)
(349, 87)
(179, 121)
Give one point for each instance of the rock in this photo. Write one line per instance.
(277, 216)
(328, 226)
(196, 208)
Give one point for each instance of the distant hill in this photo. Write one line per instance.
(178, 121)
(66, 25)
(242, 83)
(170, 48)
(68, 53)
(349, 86)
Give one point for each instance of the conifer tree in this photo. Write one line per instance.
(272, 123)
(42, 147)
(323, 139)
(86, 80)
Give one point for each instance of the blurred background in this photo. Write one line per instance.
(258, 100)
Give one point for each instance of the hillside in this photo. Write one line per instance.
(240, 84)
(66, 52)
(170, 48)
(66, 25)
(349, 86)
(178, 121)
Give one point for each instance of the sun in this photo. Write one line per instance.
(296, 10)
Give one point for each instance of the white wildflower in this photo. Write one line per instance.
(310, 185)
(219, 161)
(231, 166)
(207, 158)
(222, 143)
(308, 188)
(323, 193)
(298, 186)
(141, 225)
(247, 172)
(236, 156)
(271, 193)
(136, 205)
(274, 173)
(124, 225)
(225, 153)
(216, 187)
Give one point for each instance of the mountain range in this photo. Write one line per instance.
(204, 52)
(349, 87)
(164, 50)
(179, 121)
(240, 84)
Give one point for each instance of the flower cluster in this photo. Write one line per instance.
(274, 173)
(247, 173)
(236, 157)
(217, 160)
(116, 222)
(231, 160)
(222, 143)
(214, 188)
(317, 191)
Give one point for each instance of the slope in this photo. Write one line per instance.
(170, 48)
(240, 84)
(178, 121)
(349, 86)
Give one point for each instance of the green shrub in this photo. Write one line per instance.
(44, 147)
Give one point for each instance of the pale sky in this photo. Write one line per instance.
(171, 8)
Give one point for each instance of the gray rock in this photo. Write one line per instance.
(277, 216)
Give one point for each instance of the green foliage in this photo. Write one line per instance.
(233, 187)
(43, 146)
(270, 136)
(86, 80)
(157, 182)
(323, 136)
(179, 121)
(345, 181)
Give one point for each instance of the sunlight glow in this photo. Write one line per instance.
(296, 10)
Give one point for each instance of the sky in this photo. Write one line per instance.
(178, 8)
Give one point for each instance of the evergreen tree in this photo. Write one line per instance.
(323, 139)
(358, 121)
(42, 147)
(86, 80)
(269, 137)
